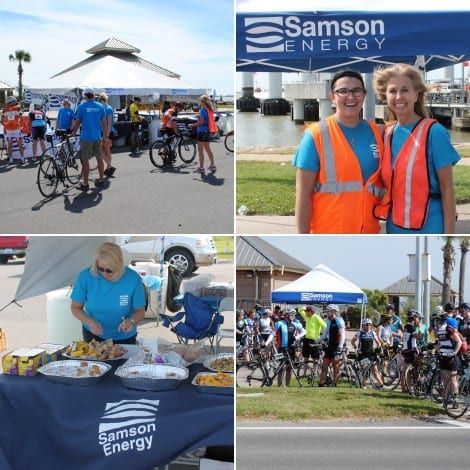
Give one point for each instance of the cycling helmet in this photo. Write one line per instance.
(291, 311)
(385, 316)
(438, 310)
(449, 306)
(366, 321)
(452, 322)
(464, 306)
(333, 307)
(412, 314)
(390, 307)
(11, 99)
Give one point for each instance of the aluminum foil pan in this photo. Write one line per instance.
(211, 364)
(154, 377)
(214, 389)
(75, 372)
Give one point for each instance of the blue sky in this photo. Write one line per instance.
(193, 39)
(372, 262)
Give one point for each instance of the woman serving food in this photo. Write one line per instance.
(109, 298)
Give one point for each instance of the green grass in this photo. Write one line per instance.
(268, 188)
(296, 404)
(224, 246)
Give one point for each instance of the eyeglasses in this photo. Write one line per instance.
(344, 92)
(105, 270)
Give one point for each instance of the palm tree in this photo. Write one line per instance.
(464, 248)
(20, 56)
(448, 266)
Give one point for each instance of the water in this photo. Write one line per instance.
(257, 130)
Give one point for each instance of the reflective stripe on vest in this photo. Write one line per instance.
(331, 185)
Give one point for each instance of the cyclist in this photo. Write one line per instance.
(464, 325)
(448, 346)
(38, 118)
(314, 324)
(410, 344)
(169, 127)
(266, 324)
(384, 330)
(395, 325)
(135, 120)
(364, 341)
(287, 331)
(335, 334)
(433, 324)
(11, 121)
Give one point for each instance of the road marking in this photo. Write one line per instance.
(450, 425)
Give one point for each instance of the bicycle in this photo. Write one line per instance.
(259, 374)
(455, 405)
(364, 369)
(61, 162)
(229, 141)
(139, 136)
(163, 151)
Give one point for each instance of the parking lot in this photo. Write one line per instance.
(140, 198)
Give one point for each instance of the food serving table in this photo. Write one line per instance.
(106, 426)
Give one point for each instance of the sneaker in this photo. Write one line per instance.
(212, 168)
(83, 187)
(111, 171)
(105, 172)
(201, 171)
(99, 184)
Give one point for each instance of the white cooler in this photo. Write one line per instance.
(62, 326)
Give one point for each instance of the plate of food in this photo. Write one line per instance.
(220, 362)
(156, 377)
(218, 383)
(75, 372)
(95, 350)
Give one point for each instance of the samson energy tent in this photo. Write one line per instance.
(320, 286)
(325, 41)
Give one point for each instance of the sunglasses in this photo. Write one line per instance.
(105, 270)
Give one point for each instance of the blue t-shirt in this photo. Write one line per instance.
(109, 111)
(441, 153)
(108, 302)
(65, 118)
(361, 139)
(204, 127)
(90, 114)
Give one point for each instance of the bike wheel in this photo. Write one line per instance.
(438, 383)
(228, 142)
(250, 377)
(73, 167)
(456, 405)
(157, 157)
(47, 177)
(391, 375)
(187, 150)
(305, 375)
(350, 375)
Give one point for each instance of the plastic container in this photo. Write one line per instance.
(154, 130)
(62, 326)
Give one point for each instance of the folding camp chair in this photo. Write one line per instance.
(226, 305)
(198, 320)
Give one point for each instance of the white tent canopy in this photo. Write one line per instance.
(321, 285)
(55, 262)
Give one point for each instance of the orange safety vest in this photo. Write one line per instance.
(341, 201)
(11, 118)
(407, 184)
(211, 125)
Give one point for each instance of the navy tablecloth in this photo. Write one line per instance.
(106, 426)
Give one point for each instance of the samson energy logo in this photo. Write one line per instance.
(285, 34)
(128, 425)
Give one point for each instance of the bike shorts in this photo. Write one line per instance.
(167, 131)
(90, 149)
(310, 349)
(203, 136)
(38, 133)
(333, 355)
(289, 350)
(450, 363)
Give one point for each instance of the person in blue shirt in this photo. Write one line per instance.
(109, 298)
(92, 117)
(65, 116)
(107, 142)
(38, 119)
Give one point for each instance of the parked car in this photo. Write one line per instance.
(11, 246)
(186, 253)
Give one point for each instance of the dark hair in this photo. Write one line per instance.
(346, 73)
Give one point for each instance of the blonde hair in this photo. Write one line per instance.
(111, 255)
(206, 100)
(103, 97)
(382, 77)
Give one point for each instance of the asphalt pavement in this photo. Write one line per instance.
(139, 199)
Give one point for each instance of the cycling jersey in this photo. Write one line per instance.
(38, 118)
(445, 341)
(11, 118)
(168, 118)
(366, 341)
(285, 332)
(334, 336)
(410, 343)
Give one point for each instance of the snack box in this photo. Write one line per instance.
(23, 361)
(52, 352)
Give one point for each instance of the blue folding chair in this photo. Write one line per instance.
(198, 320)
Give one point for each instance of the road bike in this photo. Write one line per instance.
(139, 138)
(164, 150)
(60, 162)
(229, 141)
(456, 404)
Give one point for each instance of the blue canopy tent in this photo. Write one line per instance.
(320, 286)
(326, 41)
